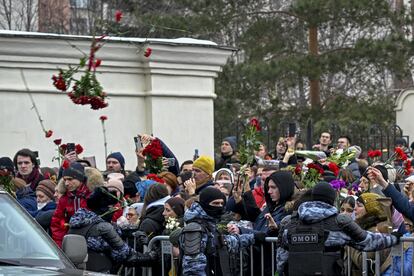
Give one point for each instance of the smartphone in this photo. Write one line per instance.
(186, 176)
(195, 154)
(292, 130)
(36, 153)
(138, 142)
(171, 162)
(70, 147)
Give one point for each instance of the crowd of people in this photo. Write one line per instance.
(317, 203)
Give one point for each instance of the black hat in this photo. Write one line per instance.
(382, 169)
(6, 163)
(100, 199)
(76, 171)
(324, 192)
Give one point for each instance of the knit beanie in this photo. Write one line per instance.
(232, 140)
(118, 156)
(115, 184)
(118, 176)
(170, 179)
(371, 204)
(177, 204)
(204, 163)
(47, 186)
(76, 171)
(324, 192)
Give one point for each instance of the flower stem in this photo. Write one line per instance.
(104, 136)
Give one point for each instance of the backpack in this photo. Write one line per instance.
(218, 258)
(307, 252)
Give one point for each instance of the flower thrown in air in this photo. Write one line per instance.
(48, 133)
(103, 118)
(147, 52)
(78, 149)
(57, 142)
(118, 16)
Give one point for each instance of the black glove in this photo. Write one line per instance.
(142, 259)
(141, 237)
(259, 237)
(398, 235)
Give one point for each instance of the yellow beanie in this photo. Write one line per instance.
(205, 163)
(372, 205)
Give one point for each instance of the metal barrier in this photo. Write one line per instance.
(397, 250)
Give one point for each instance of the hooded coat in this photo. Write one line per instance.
(152, 223)
(27, 199)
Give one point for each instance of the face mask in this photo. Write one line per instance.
(214, 211)
(40, 205)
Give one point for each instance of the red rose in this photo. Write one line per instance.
(118, 16)
(407, 167)
(78, 149)
(59, 82)
(298, 169)
(48, 133)
(103, 118)
(57, 142)
(255, 123)
(316, 167)
(62, 148)
(147, 52)
(65, 164)
(333, 167)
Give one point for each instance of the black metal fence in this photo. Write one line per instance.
(368, 137)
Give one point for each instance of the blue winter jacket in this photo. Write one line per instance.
(27, 199)
(315, 211)
(395, 269)
(400, 202)
(83, 218)
(197, 264)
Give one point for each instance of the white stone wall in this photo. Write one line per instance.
(405, 113)
(169, 94)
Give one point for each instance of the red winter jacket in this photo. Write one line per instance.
(67, 206)
(258, 195)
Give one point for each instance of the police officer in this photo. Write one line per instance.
(311, 241)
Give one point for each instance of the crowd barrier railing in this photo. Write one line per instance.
(367, 264)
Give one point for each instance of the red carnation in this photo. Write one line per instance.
(156, 178)
(333, 167)
(401, 154)
(103, 118)
(118, 16)
(78, 149)
(407, 168)
(255, 123)
(65, 164)
(48, 133)
(97, 63)
(57, 142)
(374, 153)
(59, 82)
(147, 52)
(298, 169)
(316, 167)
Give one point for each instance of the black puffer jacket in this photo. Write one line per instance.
(152, 223)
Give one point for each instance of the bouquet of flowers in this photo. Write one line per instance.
(172, 224)
(153, 156)
(250, 142)
(342, 158)
(313, 175)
